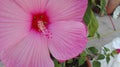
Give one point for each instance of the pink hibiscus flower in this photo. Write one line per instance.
(32, 29)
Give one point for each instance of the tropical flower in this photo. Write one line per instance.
(32, 29)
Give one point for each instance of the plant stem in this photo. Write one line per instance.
(112, 23)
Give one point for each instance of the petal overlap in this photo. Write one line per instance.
(68, 39)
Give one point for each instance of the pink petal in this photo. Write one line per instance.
(9, 10)
(14, 23)
(66, 9)
(32, 6)
(68, 40)
(32, 51)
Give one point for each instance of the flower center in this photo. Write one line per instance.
(40, 23)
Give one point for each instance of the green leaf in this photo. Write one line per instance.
(103, 5)
(83, 54)
(81, 60)
(114, 52)
(98, 6)
(96, 64)
(63, 64)
(108, 59)
(98, 35)
(106, 49)
(93, 2)
(91, 21)
(70, 61)
(56, 63)
(101, 57)
(93, 50)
